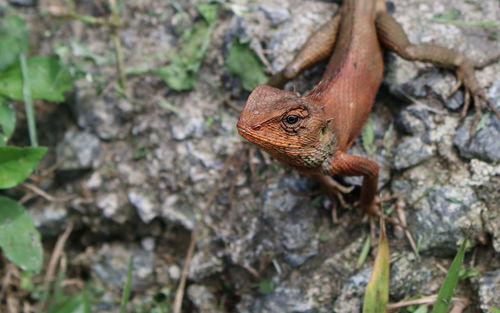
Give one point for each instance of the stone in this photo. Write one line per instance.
(50, 219)
(351, 296)
(204, 264)
(413, 120)
(145, 203)
(489, 289)
(111, 264)
(203, 299)
(484, 145)
(78, 151)
(175, 212)
(411, 152)
(277, 15)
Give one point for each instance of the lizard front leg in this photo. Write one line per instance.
(353, 165)
(318, 47)
(393, 37)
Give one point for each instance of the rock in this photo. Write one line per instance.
(411, 152)
(277, 15)
(413, 120)
(489, 289)
(282, 299)
(174, 272)
(203, 299)
(145, 204)
(175, 212)
(484, 145)
(402, 272)
(104, 115)
(23, 3)
(351, 296)
(112, 206)
(79, 150)
(112, 261)
(441, 217)
(49, 219)
(204, 264)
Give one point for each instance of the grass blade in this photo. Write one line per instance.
(377, 290)
(450, 281)
(126, 289)
(28, 101)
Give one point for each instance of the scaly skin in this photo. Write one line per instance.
(312, 133)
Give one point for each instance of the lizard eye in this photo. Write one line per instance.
(292, 119)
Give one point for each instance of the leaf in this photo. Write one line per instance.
(181, 73)
(364, 252)
(7, 121)
(266, 286)
(128, 284)
(482, 122)
(377, 290)
(450, 282)
(79, 303)
(494, 310)
(14, 39)
(422, 309)
(448, 15)
(468, 272)
(19, 238)
(48, 79)
(17, 163)
(367, 136)
(244, 62)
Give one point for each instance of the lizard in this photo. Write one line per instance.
(311, 133)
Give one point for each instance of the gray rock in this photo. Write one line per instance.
(413, 120)
(23, 3)
(144, 202)
(204, 264)
(351, 296)
(441, 217)
(175, 212)
(111, 266)
(79, 151)
(484, 145)
(100, 114)
(282, 299)
(49, 219)
(489, 289)
(112, 205)
(403, 271)
(411, 152)
(277, 15)
(203, 299)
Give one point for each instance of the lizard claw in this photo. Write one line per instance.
(467, 79)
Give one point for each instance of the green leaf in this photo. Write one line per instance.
(422, 309)
(17, 163)
(19, 238)
(181, 73)
(367, 136)
(128, 284)
(79, 303)
(494, 310)
(14, 39)
(377, 290)
(448, 15)
(266, 286)
(450, 282)
(244, 62)
(48, 79)
(482, 122)
(7, 121)
(364, 252)
(468, 272)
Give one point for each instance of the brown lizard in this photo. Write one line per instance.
(312, 133)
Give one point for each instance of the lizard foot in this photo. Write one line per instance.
(472, 91)
(336, 192)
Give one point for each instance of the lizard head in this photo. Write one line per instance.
(290, 128)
